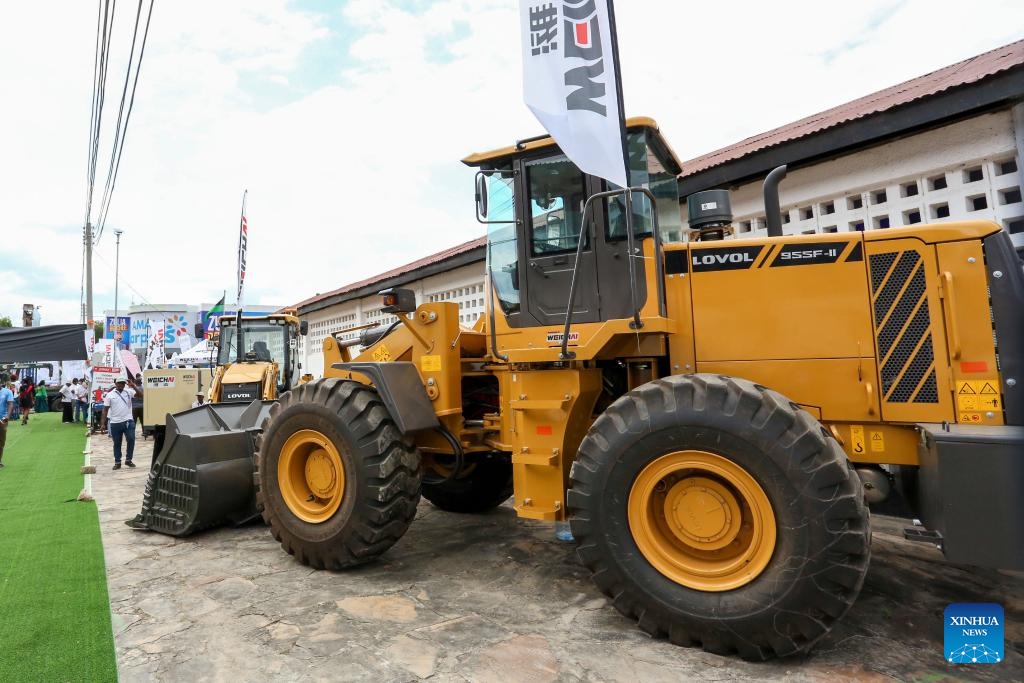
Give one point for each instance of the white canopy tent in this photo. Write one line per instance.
(201, 355)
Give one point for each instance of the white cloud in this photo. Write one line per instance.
(347, 124)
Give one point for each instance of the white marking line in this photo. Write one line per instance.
(88, 454)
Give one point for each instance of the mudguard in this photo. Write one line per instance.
(401, 388)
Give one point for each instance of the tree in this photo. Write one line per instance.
(6, 322)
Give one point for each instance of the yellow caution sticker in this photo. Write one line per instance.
(381, 354)
(877, 442)
(857, 438)
(970, 418)
(976, 395)
(430, 363)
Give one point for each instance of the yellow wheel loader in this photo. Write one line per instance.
(713, 417)
(210, 448)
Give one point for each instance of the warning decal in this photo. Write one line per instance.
(430, 363)
(877, 442)
(857, 438)
(977, 394)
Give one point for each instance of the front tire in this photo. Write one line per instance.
(336, 482)
(718, 513)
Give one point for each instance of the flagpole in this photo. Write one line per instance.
(618, 90)
(636, 324)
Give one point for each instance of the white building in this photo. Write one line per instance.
(945, 146)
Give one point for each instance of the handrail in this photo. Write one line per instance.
(950, 306)
(637, 323)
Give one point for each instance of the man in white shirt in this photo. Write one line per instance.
(67, 398)
(118, 421)
(81, 404)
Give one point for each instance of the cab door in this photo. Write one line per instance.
(552, 206)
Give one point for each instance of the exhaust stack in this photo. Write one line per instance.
(772, 215)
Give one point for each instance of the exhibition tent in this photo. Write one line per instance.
(46, 343)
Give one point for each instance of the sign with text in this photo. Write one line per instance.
(117, 328)
(106, 355)
(103, 377)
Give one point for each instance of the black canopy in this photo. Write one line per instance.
(50, 342)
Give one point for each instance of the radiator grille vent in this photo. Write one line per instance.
(902, 328)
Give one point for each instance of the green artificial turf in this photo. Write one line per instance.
(54, 609)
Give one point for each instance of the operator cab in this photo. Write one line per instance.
(264, 339)
(532, 198)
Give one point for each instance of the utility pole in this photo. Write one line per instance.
(88, 274)
(117, 270)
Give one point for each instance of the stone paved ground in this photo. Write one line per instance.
(477, 598)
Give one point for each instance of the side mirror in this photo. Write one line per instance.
(304, 327)
(481, 195)
(200, 332)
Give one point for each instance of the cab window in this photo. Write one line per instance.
(646, 170)
(557, 191)
(502, 259)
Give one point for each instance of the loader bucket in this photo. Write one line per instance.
(203, 476)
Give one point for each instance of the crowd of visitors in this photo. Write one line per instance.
(114, 409)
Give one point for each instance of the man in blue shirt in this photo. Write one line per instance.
(6, 406)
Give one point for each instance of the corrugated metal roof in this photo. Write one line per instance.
(426, 261)
(961, 73)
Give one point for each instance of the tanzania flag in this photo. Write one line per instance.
(213, 317)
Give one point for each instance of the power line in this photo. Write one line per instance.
(121, 131)
(104, 27)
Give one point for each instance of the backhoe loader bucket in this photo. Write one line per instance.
(203, 476)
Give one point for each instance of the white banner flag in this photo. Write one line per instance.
(569, 81)
(243, 248)
(155, 354)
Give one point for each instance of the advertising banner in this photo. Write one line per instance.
(103, 377)
(106, 355)
(571, 83)
(175, 326)
(117, 328)
(138, 337)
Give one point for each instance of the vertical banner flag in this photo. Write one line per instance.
(155, 354)
(571, 81)
(243, 245)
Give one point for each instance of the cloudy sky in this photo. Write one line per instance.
(346, 122)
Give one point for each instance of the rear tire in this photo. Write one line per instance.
(717, 513)
(335, 480)
(486, 485)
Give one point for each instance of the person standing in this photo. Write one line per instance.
(6, 406)
(67, 398)
(117, 419)
(42, 398)
(15, 412)
(137, 403)
(81, 400)
(25, 399)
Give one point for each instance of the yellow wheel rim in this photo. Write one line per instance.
(702, 520)
(311, 476)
